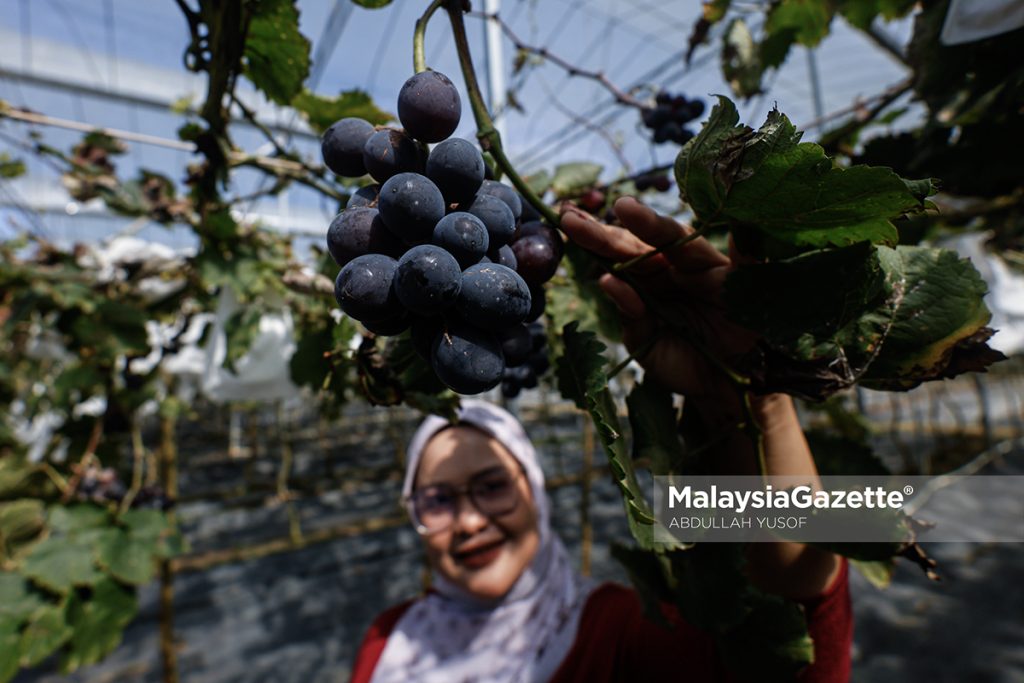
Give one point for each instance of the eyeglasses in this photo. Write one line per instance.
(493, 493)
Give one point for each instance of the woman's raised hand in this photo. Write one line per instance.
(684, 282)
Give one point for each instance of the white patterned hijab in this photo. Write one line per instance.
(448, 636)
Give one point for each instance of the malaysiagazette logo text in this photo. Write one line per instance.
(801, 497)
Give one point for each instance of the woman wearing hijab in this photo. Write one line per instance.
(505, 604)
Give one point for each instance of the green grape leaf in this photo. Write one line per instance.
(711, 590)
(582, 378)
(145, 524)
(276, 53)
(308, 366)
(127, 557)
(816, 339)
(653, 421)
(243, 271)
(322, 112)
(939, 329)
(861, 13)
(116, 328)
(570, 178)
(75, 519)
(647, 572)
(59, 563)
(98, 623)
(11, 168)
(771, 643)
(878, 572)
(10, 637)
(807, 21)
(540, 182)
(241, 330)
(46, 631)
(14, 473)
(887, 318)
(17, 598)
(20, 521)
(741, 60)
(579, 297)
(787, 192)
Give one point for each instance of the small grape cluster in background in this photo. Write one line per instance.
(439, 249)
(669, 117)
(104, 485)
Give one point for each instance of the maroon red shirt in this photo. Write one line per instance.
(616, 642)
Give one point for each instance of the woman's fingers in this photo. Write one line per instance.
(658, 231)
(607, 241)
(623, 296)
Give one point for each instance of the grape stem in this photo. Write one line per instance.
(489, 138)
(625, 265)
(419, 58)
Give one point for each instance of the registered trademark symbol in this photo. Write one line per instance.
(908, 489)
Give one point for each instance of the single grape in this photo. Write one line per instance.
(463, 235)
(695, 109)
(342, 146)
(516, 345)
(505, 194)
(656, 117)
(496, 217)
(389, 152)
(537, 303)
(538, 335)
(493, 296)
(539, 361)
(358, 231)
(410, 205)
(550, 234)
(503, 255)
(389, 327)
(662, 183)
(592, 200)
(467, 360)
(526, 376)
(670, 131)
(428, 279)
(537, 259)
(364, 196)
(457, 169)
(429, 106)
(363, 288)
(509, 388)
(423, 333)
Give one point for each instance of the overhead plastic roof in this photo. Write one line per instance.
(118, 63)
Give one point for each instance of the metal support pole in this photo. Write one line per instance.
(495, 70)
(812, 69)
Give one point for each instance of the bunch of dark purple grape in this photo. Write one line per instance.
(103, 485)
(669, 117)
(435, 247)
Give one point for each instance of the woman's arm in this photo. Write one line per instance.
(688, 280)
(792, 570)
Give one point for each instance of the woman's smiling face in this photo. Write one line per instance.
(483, 555)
